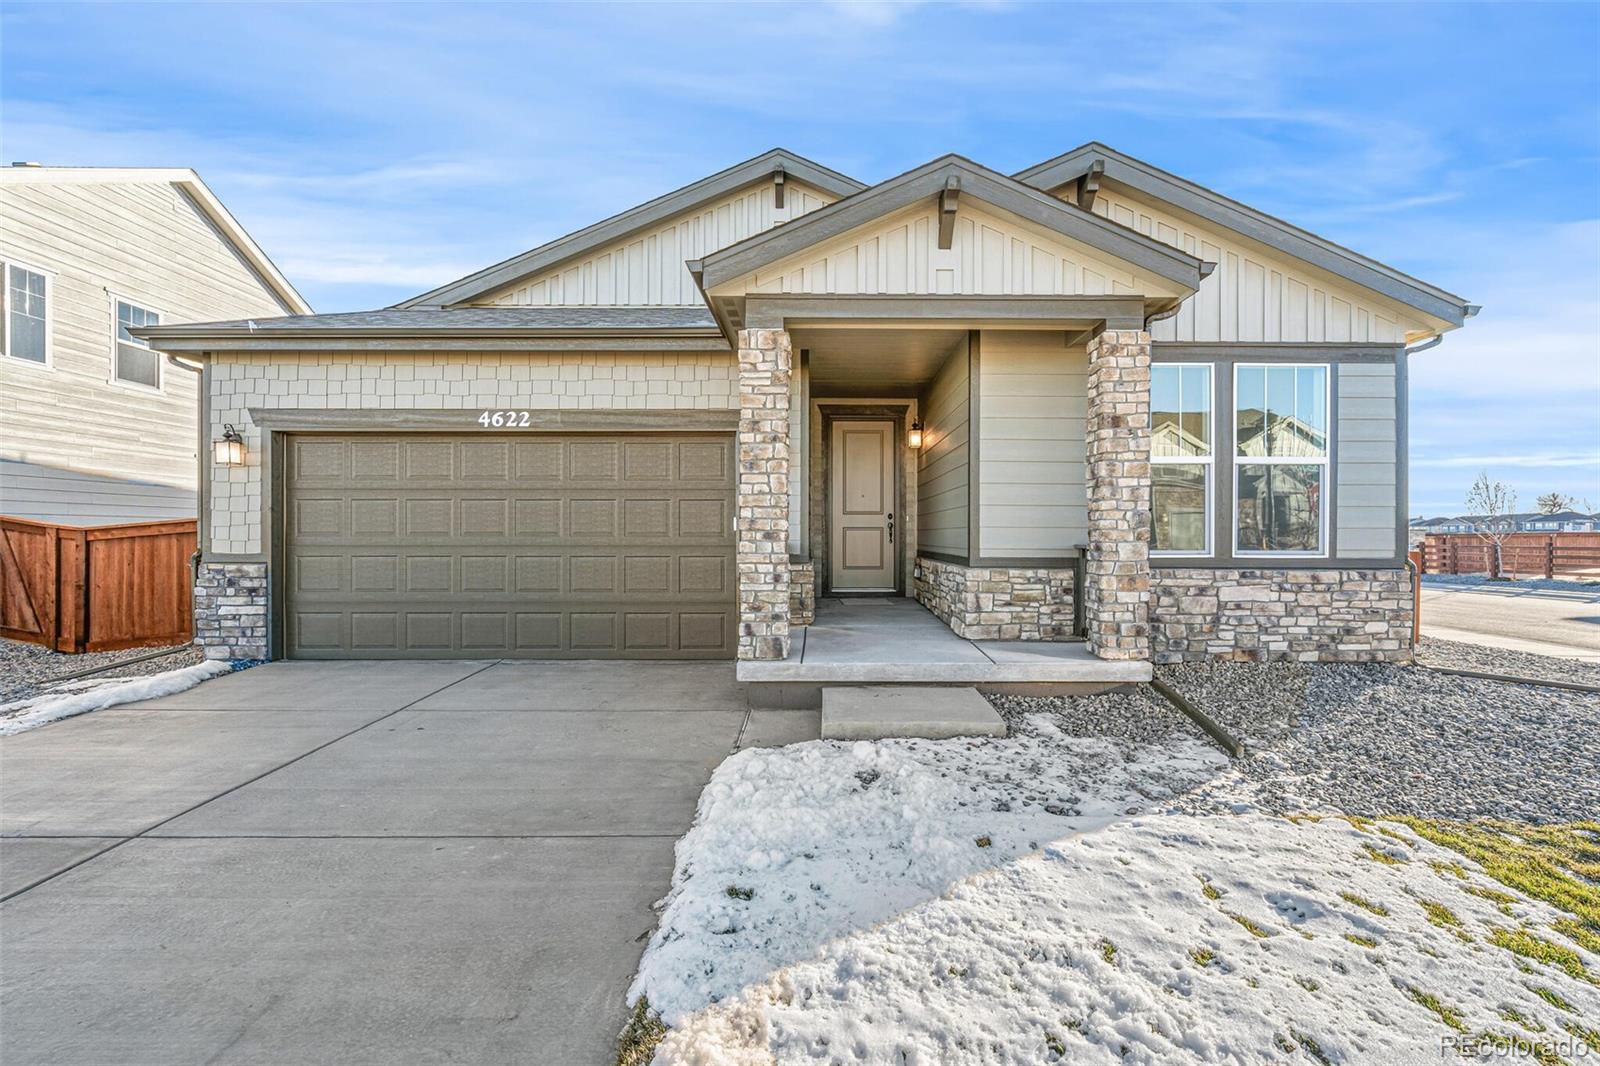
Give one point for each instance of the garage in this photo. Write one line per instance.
(538, 546)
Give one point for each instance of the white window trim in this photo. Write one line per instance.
(1325, 461)
(1210, 463)
(161, 371)
(6, 263)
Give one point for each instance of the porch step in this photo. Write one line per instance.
(873, 712)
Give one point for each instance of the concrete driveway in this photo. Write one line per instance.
(1563, 623)
(354, 862)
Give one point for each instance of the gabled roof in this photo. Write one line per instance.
(645, 215)
(974, 180)
(197, 190)
(1247, 221)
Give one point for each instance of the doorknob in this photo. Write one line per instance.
(891, 527)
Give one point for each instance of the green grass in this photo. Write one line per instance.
(1400, 837)
(1364, 941)
(1365, 904)
(1448, 1015)
(1255, 930)
(1439, 914)
(1202, 957)
(1311, 1047)
(1555, 999)
(1584, 1033)
(637, 1044)
(1450, 869)
(1208, 890)
(1515, 1016)
(1524, 1047)
(1108, 951)
(1310, 984)
(1382, 856)
(735, 892)
(1521, 942)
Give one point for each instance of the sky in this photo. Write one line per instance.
(378, 151)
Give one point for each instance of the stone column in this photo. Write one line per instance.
(763, 519)
(1117, 592)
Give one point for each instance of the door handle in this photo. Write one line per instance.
(891, 527)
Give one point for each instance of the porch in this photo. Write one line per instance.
(895, 640)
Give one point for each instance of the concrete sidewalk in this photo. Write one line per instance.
(354, 862)
(1560, 623)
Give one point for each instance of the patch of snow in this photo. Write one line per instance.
(1129, 943)
(794, 847)
(29, 714)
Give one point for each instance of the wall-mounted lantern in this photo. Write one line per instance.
(229, 451)
(914, 438)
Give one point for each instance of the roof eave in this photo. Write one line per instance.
(553, 254)
(1257, 225)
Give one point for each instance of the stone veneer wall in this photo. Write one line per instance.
(1310, 615)
(1117, 569)
(997, 603)
(230, 610)
(765, 361)
(802, 592)
(579, 381)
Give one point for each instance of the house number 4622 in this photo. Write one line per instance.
(504, 419)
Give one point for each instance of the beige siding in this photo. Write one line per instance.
(461, 381)
(647, 269)
(1368, 460)
(1254, 295)
(1032, 408)
(943, 467)
(991, 253)
(147, 243)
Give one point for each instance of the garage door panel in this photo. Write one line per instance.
(551, 547)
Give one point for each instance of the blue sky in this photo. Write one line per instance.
(377, 151)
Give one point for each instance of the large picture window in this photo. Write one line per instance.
(1181, 457)
(1280, 459)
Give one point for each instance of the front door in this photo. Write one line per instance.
(862, 525)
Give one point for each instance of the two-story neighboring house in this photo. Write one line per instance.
(95, 427)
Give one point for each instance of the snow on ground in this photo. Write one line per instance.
(1158, 939)
(87, 695)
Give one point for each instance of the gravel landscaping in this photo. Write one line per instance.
(1540, 584)
(26, 670)
(1365, 739)
(1455, 655)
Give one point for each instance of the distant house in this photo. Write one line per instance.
(1526, 522)
(96, 427)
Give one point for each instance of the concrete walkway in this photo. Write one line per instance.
(1561, 623)
(354, 862)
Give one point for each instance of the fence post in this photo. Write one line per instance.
(1550, 556)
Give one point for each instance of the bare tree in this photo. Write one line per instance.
(1490, 505)
(1554, 502)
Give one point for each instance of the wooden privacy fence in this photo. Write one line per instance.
(96, 588)
(1575, 555)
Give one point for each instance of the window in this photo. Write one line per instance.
(1180, 459)
(26, 314)
(133, 362)
(1280, 459)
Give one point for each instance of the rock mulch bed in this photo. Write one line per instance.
(1455, 655)
(26, 670)
(1366, 739)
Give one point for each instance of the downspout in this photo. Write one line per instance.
(200, 495)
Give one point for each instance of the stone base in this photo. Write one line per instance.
(230, 610)
(802, 592)
(1256, 615)
(997, 603)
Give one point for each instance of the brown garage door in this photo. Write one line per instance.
(537, 547)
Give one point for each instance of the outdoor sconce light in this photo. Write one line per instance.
(229, 451)
(914, 438)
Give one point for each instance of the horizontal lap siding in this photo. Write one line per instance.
(1033, 404)
(144, 242)
(943, 464)
(1368, 459)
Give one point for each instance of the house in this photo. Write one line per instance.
(1088, 399)
(1525, 522)
(95, 427)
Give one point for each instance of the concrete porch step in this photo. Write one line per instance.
(873, 712)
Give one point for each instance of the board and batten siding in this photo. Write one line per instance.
(991, 253)
(1368, 460)
(647, 269)
(1256, 296)
(1032, 413)
(943, 464)
(147, 243)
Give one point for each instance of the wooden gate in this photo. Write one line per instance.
(97, 588)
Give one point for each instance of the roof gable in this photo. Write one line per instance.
(554, 254)
(1265, 229)
(927, 185)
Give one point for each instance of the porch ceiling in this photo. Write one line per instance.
(874, 362)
